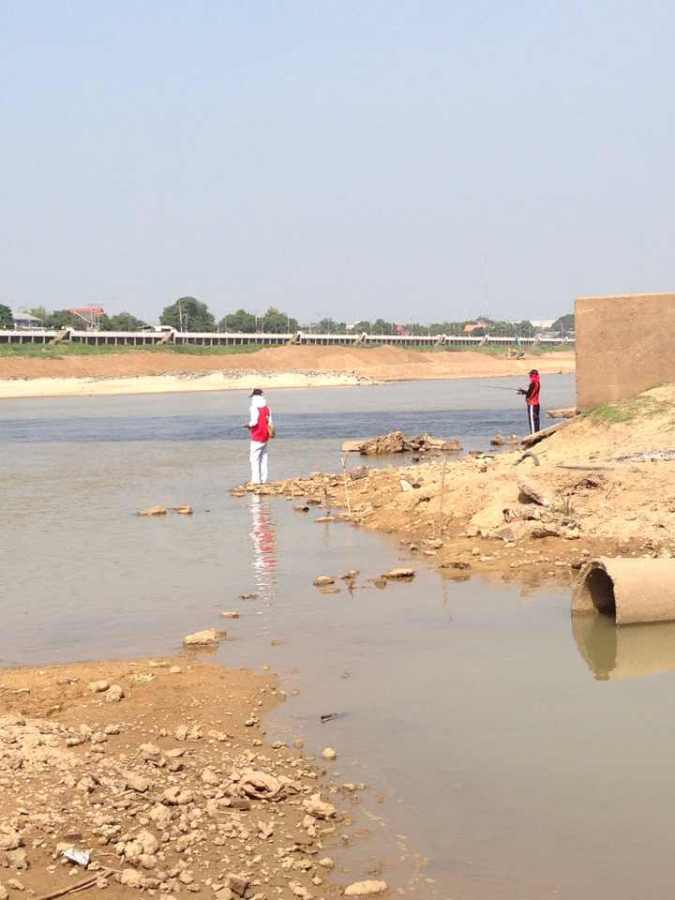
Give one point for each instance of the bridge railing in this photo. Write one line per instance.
(265, 339)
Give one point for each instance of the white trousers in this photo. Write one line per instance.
(258, 462)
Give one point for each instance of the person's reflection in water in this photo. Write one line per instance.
(264, 547)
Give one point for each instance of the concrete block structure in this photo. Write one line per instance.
(625, 344)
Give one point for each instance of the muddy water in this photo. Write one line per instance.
(524, 756)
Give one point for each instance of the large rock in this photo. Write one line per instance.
(529, 493)
(397, 442)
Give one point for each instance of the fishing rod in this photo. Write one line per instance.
(494, 387)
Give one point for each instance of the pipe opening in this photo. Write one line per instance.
(600, 588)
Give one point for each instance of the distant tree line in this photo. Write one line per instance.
(190, 314)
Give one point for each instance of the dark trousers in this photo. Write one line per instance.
(533, 413)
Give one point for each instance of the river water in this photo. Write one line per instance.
(521, 756)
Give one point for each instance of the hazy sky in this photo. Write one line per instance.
(411, 160)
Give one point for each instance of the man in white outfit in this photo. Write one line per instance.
(260, 428)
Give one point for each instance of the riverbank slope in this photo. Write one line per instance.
(141, 371)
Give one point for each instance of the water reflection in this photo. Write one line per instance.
(629, 651)
(263, 537)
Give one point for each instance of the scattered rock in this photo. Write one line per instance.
(528, 493)
(131, 878)
(399, 574)
(329, 753)
(238, 884)
(323, 580)
(10, 839)
(153, 511)
(203, 638)
(136, 782)
(365, 888)
(230, 614)
(318, 808)
(114, 694)
(98, 687)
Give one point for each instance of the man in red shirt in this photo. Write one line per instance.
(260, 428)
(532, 400)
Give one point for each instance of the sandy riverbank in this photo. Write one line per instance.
(601, 486)
(170, 384)
(141, 372)
(171, 787)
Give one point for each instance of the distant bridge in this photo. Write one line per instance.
(170, 336)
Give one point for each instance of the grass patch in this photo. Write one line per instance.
(63, 351)
(643, 407)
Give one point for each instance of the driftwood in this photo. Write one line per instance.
(586, 468)
(78, 886)
(531, 439)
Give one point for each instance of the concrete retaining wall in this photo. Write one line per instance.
(625, 344)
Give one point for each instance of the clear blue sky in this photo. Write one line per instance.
(411, 160)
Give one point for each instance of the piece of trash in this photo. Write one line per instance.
(329, 717)
(81, 857)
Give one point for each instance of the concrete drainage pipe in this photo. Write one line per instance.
(627, 590)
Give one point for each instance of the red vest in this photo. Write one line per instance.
(533, 399)
(261, 431)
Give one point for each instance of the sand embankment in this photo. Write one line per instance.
(168, 384)
(137, 372)
(604, 485)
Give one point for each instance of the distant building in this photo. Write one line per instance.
(542, 324)
(24, 320)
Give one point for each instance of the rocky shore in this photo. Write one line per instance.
(154, 776)
(602, 485)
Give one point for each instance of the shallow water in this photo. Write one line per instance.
(526, 756)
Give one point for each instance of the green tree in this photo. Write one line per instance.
(6, 318)
(330, 326)
(382, 327)
(564, 324)
(240, 321)
(276, 322)
(188, 314)
(362, 327)
(123, 321)
(61, 318)
(525, 328)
